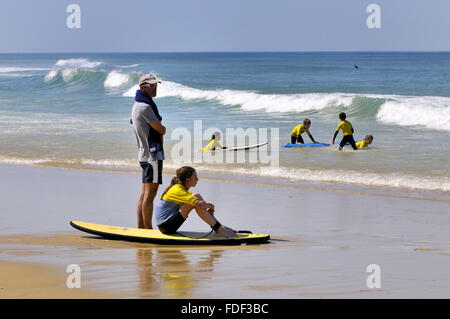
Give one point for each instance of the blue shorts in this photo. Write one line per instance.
(152, 171)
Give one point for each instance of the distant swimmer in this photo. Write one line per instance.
(347, 130)
(365, 142)
(296, 134)
(213, 143)
(356, 67)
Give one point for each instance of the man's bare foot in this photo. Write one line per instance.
(224, 231)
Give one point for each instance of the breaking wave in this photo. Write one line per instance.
(432, 112)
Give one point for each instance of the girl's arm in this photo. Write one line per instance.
(205, 204)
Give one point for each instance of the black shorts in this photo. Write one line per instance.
(152, 172)
(171, 225)
(348, 138)
(298, 138)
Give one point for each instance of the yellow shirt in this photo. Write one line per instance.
(213, 144)
(362, 144)
(180, 195)
(346, 127)
(299, 130)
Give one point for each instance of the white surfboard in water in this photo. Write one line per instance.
(244, 147)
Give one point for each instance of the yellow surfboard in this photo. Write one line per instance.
(156, 237)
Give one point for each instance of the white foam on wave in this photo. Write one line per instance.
(131, 92)
(20, 69)
(251, 101)
(22, 123)
(116, 79)
(395, 180)
(124, 163)
(77, 63)
(68, 68)
(22, 161)
(371, 179)
(127, 66)
(429, 111)
(15, 75)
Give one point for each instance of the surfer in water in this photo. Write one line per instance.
(365, 142)
(347, 130)
(296, 134)
(213, 143)
(177, 202)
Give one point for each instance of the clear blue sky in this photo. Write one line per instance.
(231, 25)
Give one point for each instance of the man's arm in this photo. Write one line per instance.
(153, 121)
(312, 139)
(158, 127)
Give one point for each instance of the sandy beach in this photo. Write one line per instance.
(323, 239)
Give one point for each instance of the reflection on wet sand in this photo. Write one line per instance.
(173, 272)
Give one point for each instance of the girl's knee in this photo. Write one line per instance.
(185, 210)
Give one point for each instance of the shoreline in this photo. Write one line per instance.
(340, 187)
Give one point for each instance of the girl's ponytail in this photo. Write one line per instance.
(173, 181)
(182, 174)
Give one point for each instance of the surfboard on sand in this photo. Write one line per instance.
(154, 236)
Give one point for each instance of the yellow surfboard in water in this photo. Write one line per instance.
(156, 237)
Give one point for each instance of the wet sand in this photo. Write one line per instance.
(322, 240)
(33, 280)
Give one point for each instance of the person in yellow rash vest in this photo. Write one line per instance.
(213, 143)
(296, 134)
(365, 142)
(347, 130)
(177, 202)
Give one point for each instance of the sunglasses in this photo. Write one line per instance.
(153, 85)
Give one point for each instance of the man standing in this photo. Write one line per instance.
(149, 135)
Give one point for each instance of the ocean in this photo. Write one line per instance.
(73, 110)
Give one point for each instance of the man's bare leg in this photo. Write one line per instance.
(139, 209)
(145, 205)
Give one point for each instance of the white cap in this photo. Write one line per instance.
(148, 79)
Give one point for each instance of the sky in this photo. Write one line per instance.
(28, 26)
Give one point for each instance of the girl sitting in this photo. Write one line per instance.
(177, 202)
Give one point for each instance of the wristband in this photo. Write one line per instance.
(216, 226)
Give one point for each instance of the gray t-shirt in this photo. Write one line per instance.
(164, 210)
(141, 115)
